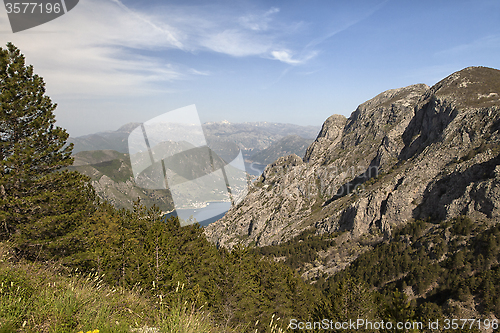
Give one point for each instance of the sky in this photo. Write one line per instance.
(110, 62)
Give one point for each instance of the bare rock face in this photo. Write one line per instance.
(408, 153)
(328, 137)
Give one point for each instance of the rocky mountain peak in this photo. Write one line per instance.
(381, 119)
(470, 87)
(329, 136)
(330, 127)
(403, 96)
(406, 154)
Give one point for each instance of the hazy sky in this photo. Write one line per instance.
(110, 62)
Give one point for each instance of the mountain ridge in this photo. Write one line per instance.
(252, 137)
(396, 149)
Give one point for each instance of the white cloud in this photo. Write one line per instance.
(217, 30)
(99, 47)
(91, 51)
(235, 43)
(286, 57)
(163, 30)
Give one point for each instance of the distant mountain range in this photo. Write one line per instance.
(291, 144)
(110, 140)
(104, 156)
(251, 137)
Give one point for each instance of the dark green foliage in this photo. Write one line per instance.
(414, 230)
(464, 265)
(398, 308)
(140, 249)
(454, 259)
(302, 249)
(38, 203)
(462, 226)
(348, 298)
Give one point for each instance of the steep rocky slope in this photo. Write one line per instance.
(409, 153)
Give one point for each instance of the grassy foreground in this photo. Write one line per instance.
(35, 298)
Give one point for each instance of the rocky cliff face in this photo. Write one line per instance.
(408, 153)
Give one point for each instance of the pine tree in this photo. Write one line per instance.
(39, 203)
(347, 298)
(399, 309)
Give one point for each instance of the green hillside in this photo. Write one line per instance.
(51, 298)
(446, 270)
